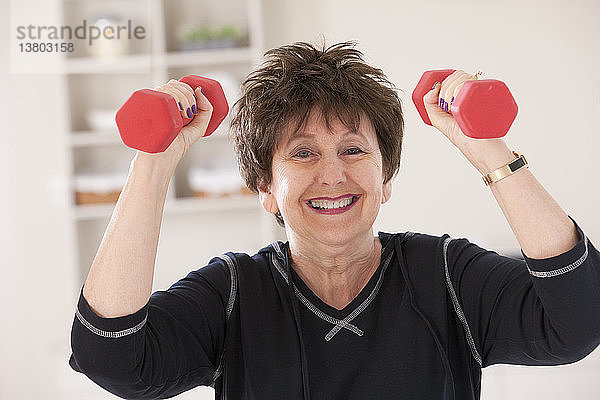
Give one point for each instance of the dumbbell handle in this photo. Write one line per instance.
(482, 108)
(214, 93)
(427, 80)
(150, 120)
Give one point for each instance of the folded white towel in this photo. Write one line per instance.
(99, 183)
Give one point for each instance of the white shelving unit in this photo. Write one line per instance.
(93, 82)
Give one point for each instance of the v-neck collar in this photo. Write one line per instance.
(339, 318)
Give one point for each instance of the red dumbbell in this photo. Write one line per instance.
(149, 120)
(482, 108)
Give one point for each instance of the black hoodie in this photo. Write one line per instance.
(434, 313)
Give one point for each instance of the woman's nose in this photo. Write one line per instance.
(331, 171)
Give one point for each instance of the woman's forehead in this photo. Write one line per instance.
(316, 124)
(312, 135)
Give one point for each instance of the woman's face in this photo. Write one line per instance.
(328, 185)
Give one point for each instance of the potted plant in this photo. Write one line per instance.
(199, 37)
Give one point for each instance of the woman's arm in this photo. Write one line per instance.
(542, 228)
(531, 312)
(540, 225)
(120, 279)
(544, 311)
(130, 343)
(170, 345)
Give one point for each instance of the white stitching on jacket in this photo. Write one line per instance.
(233, 290)
(307, 302)
(457, 308)
(563, 270)
(109, 334)
(339, 324)
(364, 304)
(310, 306)
(230, 303)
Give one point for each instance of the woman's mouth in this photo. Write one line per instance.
(323, 206)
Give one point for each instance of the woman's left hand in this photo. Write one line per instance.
(482, 153)
(446, 91)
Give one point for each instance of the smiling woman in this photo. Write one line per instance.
(328, 186)
(298, 84)
(335, 312)
(330, 128)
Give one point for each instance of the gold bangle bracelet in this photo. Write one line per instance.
(506, 170)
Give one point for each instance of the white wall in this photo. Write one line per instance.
(546, 52)
(35, 305)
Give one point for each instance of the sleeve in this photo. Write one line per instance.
(169, 346)
(530, 311)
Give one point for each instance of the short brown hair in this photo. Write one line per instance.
(297, 78)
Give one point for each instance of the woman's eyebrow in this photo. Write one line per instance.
(304, 135)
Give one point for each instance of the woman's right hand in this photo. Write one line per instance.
(188, 101)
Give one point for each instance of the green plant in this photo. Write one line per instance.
(227, 31)
(203, 33)
(197, 34)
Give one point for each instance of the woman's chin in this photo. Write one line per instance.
(334, 234)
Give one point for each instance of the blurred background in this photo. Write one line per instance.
(63, 163)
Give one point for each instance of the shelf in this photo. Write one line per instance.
(111, 138)
(209, 57)
(145, 62)
(94, 65)
(191, 204)
(178, 206)
(95, 138)
(94, 84)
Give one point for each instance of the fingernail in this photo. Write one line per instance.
(446, 107)
(434, 85)
(180, 106)
(189, 113)
(201, 90)
(452, 101)
(441, 103)
(194, 109)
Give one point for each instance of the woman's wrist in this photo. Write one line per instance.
(160, 166)
(487, 155)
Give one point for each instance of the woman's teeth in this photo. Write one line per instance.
(326, 204)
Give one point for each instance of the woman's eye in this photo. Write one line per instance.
(354, 150)
(302, 153)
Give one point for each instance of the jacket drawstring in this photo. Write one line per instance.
(294, 301)
(444, 357)
(400, 254)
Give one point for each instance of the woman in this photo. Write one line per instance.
(335, 312)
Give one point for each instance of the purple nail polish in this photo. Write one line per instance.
(194, 109)
(201, 90)
(180, 106)
(189, 113)
(446, 107)
(441, 103)
(452, 101)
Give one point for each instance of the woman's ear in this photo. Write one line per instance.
(267, 199)
(386, 192)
